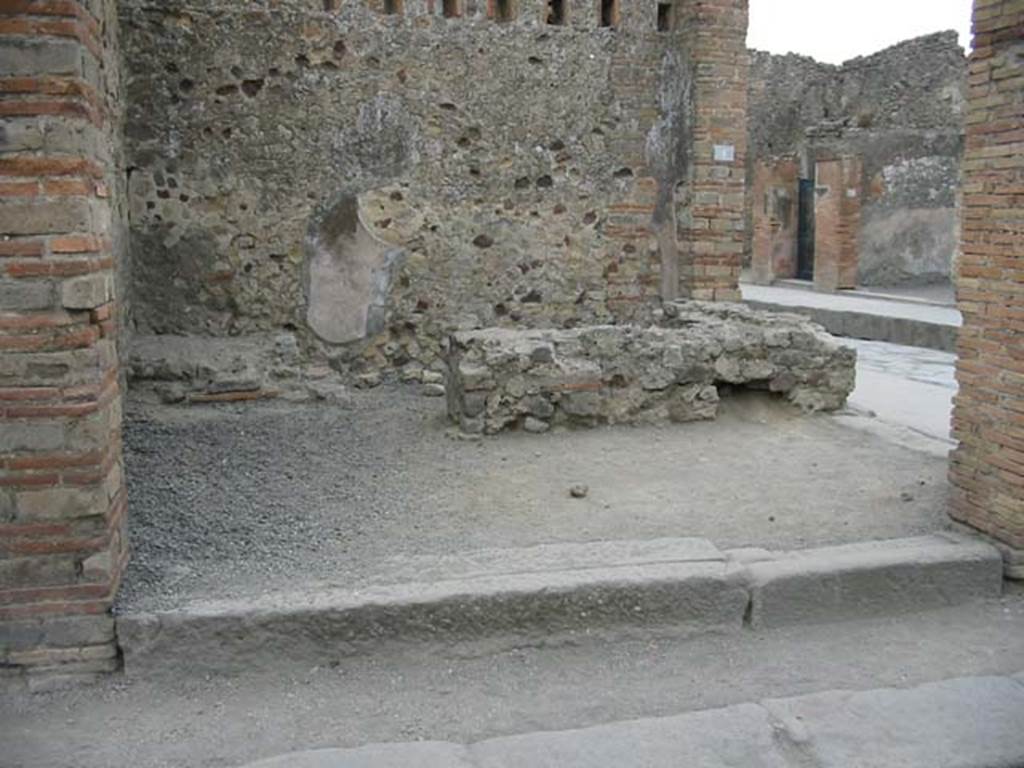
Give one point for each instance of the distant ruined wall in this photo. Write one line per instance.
(900, 111)
(377, 180)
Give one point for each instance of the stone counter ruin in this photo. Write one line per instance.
(500, 379)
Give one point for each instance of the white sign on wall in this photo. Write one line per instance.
(725, 153)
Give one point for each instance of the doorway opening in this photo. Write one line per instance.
(805, 231)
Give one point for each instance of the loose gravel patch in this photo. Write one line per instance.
(228, 500)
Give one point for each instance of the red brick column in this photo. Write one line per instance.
(62, 496)
(988, 421)
(715, 33)
(774, 220)
(836, 223)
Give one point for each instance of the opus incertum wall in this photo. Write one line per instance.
(513, 163)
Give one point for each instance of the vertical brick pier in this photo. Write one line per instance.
(988, 421)
(715, 34)
(62, 495)
(836, 223)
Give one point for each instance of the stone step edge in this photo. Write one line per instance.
(860, 324)
(977, 719)
(751, 588)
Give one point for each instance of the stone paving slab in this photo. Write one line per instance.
(722, 738)
(973, 722)
(872, 578)
(421, 754)
(966, 723)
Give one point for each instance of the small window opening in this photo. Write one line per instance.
(392, 7)
(503, 10)
(609, 13)
(450, 8)
(556, 12)
(664, 17)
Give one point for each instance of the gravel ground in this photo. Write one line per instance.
(230, 500)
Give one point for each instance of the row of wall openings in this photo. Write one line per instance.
(504, 10)
(609, 13)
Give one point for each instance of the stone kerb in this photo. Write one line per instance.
(501, 379)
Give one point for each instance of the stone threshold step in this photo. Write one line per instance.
(551, 593)
(971, 722)
(872, 326)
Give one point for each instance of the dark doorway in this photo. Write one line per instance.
(664, 17)
(805, 232)
(609, 13)
(556, 12)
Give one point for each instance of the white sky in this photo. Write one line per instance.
(836, 30)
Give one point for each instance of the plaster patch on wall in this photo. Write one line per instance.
(348, 277)
(907, 246)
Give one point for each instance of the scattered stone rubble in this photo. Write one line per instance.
(502, 379)
(194, 370)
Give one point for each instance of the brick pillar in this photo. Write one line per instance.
(774, 220)
(633, 268)
(714, 33)
(62, 497)
(987, 468)
(836, 223)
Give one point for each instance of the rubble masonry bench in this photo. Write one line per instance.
(501, 378)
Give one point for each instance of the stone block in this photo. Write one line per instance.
(41, 56)
(60, 503)
(25, 295)
(87, 292)
(39, 571)
(35, 435)
(20, 135)
(46, 216)
(64, 369)
(56, 632)
(872, 579)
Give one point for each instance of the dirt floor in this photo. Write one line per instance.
(230, 500)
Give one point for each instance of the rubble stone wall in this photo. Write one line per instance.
(372, 181)
(502, 379)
